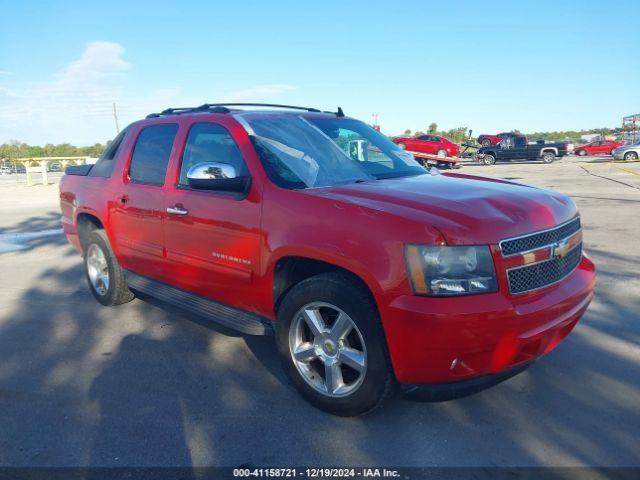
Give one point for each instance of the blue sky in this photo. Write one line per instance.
(490, 66)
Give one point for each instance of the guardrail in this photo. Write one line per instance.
(39, 165)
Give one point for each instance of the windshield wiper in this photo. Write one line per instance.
(384, 176)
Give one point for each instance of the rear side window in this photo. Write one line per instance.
(210, 142)
(151, 154)
(104, 165)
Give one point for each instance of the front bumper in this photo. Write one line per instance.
(444, 340)
(441, 392)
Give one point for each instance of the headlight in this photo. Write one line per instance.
(442, 271)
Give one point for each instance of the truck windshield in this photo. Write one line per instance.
(299, 152)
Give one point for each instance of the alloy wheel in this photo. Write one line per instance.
(328, 349)
(98, 269)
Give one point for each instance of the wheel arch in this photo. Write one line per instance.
(86, 222)
(291, 269)
(553, 150)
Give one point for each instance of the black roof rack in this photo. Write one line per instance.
(222, 108)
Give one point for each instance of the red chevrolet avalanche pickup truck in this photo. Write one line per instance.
(369, 270)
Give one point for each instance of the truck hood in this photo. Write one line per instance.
(466, 209)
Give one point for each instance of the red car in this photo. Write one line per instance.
(310, 226)
(600, 147)
(486, 140)
(432, 144)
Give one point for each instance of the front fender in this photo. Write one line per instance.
(331, 254)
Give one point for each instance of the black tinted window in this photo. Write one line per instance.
(151, 154)
(210, 142)
(104, 165)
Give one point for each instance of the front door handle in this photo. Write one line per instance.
(176, 210)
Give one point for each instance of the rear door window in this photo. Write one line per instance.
(520, 142)
(151, 154)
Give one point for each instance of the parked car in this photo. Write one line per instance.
(5, 170)
(600, 147)
(369, 270)
(486, 140)
(517, 147)
(431, 144)
(627, 152)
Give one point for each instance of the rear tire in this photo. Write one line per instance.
(548, 157)
(104, 274)
(402, 146)
(631, 156)
(485, 143)
(314, 352)
(442, 153)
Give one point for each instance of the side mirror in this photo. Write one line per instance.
(217, 176)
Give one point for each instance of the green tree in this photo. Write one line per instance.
(433, 128)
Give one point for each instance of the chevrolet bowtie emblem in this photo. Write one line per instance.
(560, 249)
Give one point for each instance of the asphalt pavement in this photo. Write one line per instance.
(146, 385)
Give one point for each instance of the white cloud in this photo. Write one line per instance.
(75, 104)
(56, 110)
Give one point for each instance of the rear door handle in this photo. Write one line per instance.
(175, 210)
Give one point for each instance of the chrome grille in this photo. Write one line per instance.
(541, 239)
(541, 274)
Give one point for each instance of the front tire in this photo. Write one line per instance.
(488, 159)
(442, 153)
(104, 274)
(402, 146)
(332, 345)
(485, 142)
(582, 153)
(630, 156)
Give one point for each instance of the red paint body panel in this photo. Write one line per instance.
(604, 147)
(417, 144)
(492, 139)
(227, 249)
